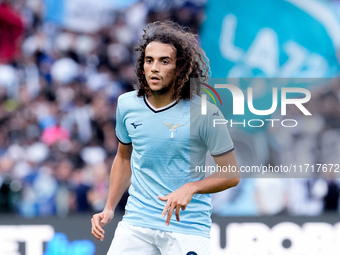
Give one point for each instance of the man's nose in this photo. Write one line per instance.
(155, 67)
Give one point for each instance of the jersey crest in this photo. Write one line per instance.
(172, 129)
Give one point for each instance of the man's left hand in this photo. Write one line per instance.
(176, 200)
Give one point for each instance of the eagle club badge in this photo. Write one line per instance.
(172, 129)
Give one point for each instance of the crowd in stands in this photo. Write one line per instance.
(58, 93)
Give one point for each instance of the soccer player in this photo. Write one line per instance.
(163, 136)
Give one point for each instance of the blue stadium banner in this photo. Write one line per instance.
(271, 38)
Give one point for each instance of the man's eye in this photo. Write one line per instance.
(148, 61)
(165, 62)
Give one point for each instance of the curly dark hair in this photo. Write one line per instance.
(191, 60)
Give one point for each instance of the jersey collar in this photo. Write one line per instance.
(157, 110)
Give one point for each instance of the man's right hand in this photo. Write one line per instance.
(98, 221)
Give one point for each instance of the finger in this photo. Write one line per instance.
(177, 212)
(96, 224)
(170, 212)
(183, 207)
(163, 198)
(96, 228)
(96, 232)
(166, 207)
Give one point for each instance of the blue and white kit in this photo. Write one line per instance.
(164, 141)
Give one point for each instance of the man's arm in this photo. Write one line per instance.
(180, 198)
(119, 181)
(221, 180)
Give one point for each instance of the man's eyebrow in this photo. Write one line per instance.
(164, 57)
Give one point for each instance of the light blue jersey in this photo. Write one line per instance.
(162, 141)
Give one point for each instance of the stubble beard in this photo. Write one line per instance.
(162, 91)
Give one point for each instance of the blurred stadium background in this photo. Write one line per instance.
(64, 63)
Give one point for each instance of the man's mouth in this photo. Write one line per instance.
(155, 78)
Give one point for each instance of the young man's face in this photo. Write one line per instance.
(159, 67)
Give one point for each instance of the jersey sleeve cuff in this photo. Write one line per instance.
(123, 142)
(222, 153)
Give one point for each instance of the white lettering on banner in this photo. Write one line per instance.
(227, 47)
(323, 238)
(286, 231)
(296, 57)
(264, 51)
(285, 238)
(33, 237)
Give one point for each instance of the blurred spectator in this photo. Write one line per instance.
(236, 202)
(331, 199)
(98, 194)
(9, 188)
(80, 189)
(11, 29)
(55, 133)
(271, 195)
(64, 198)
(328, 189)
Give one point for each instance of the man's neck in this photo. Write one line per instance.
(159, 101)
